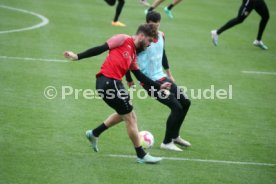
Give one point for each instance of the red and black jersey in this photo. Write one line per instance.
(121, 57)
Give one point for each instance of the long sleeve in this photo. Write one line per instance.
(165, 62)
(144, 79)
(128, 76)
(93, 51)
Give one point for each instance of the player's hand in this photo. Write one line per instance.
(70, 55)
(166, 85)
(130, 84)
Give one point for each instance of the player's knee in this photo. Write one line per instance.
(240, 19)
(177, 109)
(266, 17)
(188, 103)
(129, 117)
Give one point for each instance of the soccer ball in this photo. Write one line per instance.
(146, 139)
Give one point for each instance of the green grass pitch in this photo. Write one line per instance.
(43, 141)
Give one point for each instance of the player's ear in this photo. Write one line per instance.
(141, 36)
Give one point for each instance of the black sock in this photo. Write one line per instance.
(170, 6)
(100, 129)
(168, 136)
(150, 9)
(140, 152)
(167, 140)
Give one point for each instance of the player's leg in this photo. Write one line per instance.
(145, 2)
(153, 5)
(116, 96)
(93, 135)
(110, 2)
(168, 8)
(262, 9)
(105, 85)
(133, 133)
(132, 130)
(118, 11)
(112, 120)
(243, 13)
(123, 107)
(185, 103)
(156, 3)
(173, 122)
(175, 2)
(174, 117)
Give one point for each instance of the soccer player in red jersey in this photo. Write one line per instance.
(121, 58)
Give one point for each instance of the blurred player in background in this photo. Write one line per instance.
(151, 62)
(247, 6)
(118, 11)
(121, 58)
(167, 9)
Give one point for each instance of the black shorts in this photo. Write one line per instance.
(114, 94)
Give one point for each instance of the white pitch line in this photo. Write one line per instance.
(259, 72)
(42, 23)
(32, 59)
(202, 160)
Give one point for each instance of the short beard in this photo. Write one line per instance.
(141, 48)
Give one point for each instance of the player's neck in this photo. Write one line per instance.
(135, 40)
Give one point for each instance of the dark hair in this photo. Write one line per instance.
(153, 16)
(148, 29)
